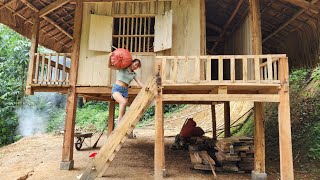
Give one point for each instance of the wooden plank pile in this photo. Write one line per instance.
(235, 154)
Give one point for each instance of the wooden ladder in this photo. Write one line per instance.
(117, 138)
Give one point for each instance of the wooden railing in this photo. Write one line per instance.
(51, 68)
(224, 69)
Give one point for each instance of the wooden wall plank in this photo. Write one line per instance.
(186, 23)
(93, 69)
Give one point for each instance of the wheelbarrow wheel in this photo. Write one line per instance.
(78, 144)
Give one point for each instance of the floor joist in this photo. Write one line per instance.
(222, 97)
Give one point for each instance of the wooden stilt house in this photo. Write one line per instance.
(192, 52)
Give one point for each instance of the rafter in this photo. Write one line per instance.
(22, 9)
(305, 5)
(287, 22)
(29, 20)
(57, 26)
(46, 18)
(53, 6)
(214, 27)
(26, 2)
(225, 27)
(6, 4)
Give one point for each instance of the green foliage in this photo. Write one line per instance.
(149, 114)
(305, 120)
(316, 73)
(93, 116)
(56, 120)
(13, 70)
(298, 79)
(247, 129)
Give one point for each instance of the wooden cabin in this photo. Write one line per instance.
(192, 52)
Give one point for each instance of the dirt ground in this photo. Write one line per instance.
(38, 157)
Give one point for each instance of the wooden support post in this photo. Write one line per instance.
(227, 119)
(285, 142)
(159, 157)
(256, 27)
(259, 144)
(67, 150)
(214, 122)
(112, 105)
(33, 50)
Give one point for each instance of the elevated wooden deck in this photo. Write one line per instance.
(183, 78)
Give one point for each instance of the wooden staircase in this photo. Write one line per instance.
(118, 137)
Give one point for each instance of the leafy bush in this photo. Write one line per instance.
(247, 129)
(13, 69)
(316, 73)
(298, 79)
(93, 116)
(150, 113)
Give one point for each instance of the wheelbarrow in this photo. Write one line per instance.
(81, 137)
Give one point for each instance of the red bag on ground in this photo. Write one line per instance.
(121, 58)
(187, 129)
(191, 123)
(197, 132)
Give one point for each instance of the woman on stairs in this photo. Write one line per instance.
(124, 78)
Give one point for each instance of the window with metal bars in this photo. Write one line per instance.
(134, 33)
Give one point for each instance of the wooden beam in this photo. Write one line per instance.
(214, 121)
(46, 18)
(6, 4)
(33, 50)
(101, 1)
(112, 106)
(214, 27)
(256, 27)
(294, 17)
(102, 90)
(227, 126)
(57, 26)
(259, 142)
(305, 5)
(225, 27)
(68, 141)
(285, 142)
(222, 97)
(159, 154)
(53, 6)
(214, 39)
(26, 2)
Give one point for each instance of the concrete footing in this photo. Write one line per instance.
(258, 176)
(66, 165)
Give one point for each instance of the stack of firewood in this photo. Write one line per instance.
(235, 154)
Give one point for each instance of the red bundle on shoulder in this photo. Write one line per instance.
(121, 58)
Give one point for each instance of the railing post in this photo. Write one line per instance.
(285, 142)
(33, 50)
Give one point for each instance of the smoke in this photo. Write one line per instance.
(34, 115)
(32, 121)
